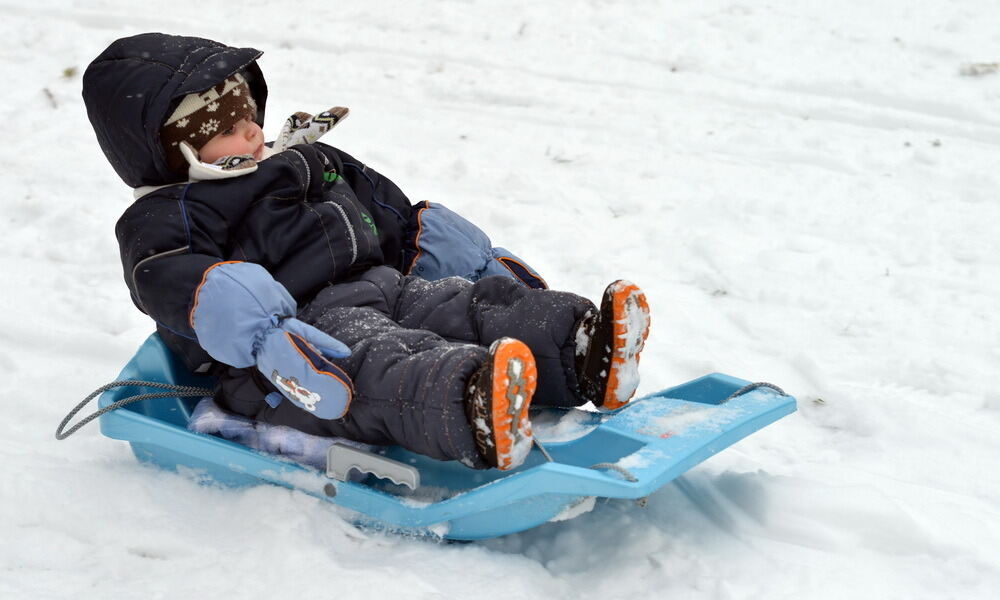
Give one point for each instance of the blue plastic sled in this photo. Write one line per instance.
(627, 454)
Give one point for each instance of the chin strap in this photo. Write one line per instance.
(299, 128)
(224, 168)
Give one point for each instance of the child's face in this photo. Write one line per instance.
(245, 137)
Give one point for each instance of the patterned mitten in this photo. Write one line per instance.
(303, 128)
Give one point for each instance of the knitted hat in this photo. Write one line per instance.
(200, 117)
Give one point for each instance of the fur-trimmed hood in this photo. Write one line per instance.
(131, 88)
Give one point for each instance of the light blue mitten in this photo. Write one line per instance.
(243, 317)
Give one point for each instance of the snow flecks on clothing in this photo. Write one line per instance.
(484, 429)
(584, 335)
(778, 194)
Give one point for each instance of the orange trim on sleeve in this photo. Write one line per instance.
(197, 290)
(416, 240)
(503, 261)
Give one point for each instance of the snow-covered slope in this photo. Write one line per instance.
(806, 190)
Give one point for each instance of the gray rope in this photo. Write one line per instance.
(753, 386)
(545, 452)
(173, 391)
(617, 469)
(611, 466)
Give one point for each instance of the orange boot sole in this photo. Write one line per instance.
(499, 408)
(630, 318)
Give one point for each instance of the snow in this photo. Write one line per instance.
(553, 426)
(584, 505)
(806, 191)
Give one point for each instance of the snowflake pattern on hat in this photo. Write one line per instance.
(209, 126)
(201, 116)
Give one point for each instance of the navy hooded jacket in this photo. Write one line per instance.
(310, 215)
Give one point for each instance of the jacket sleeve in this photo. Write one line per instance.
(170, 237)
(441, 243)
(165, 255)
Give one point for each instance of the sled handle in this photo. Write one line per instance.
(340, 459)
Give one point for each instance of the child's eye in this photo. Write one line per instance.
(229, 131)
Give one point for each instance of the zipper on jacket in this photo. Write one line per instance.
(350, 229)
(308, 171)
(352, 204)
(340, 209)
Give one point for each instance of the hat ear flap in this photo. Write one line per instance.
(190, 154)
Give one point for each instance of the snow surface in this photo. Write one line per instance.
(807, 191)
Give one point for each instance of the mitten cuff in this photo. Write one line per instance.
(233, 308)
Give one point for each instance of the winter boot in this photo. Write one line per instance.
(496, 403)
(608, 344)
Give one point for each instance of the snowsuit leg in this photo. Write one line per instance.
(474, 313)
(414, 346)
(409, 385)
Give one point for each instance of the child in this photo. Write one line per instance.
(280, 271)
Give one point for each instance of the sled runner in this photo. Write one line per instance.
(581, 455)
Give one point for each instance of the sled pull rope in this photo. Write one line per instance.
(629, 477)
(599, 466)
(545, 452)
(172, 391)
(753, 386)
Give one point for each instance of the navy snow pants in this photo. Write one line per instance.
(414, 345)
